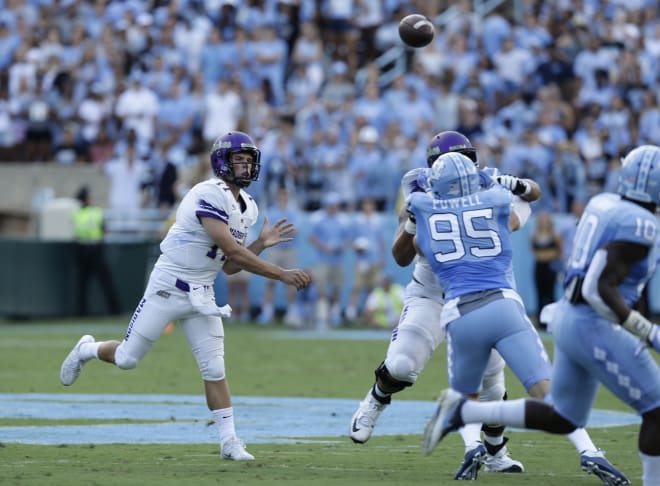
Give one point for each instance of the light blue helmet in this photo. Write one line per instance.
(639, 178)
(453, 175)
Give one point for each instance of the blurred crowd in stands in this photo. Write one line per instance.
(555, 90)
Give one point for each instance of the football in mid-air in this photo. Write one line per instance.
(416, 30)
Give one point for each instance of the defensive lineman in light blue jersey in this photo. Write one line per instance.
(465, 235)
(419, 332)
(599, 336)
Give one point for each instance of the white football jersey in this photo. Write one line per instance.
(188, 252)
(424, 282)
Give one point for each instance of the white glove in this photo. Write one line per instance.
(641, 327)
(514, 184)
(202, 299)
(409, 183)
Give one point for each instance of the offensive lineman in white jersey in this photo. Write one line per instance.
(419, 331)
(208, 235)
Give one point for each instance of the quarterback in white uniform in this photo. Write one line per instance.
(208, 235)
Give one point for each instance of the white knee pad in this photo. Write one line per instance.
(409, 353)
(131, 351)
(205, 335)
(212, 369)
(403, 368)
(123, 359)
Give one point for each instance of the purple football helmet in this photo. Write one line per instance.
(233, 142)
(450, 141)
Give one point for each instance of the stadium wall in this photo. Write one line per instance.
(39, 277)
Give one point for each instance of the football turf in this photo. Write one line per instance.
(263, 362)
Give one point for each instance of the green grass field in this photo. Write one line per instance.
(263, 361)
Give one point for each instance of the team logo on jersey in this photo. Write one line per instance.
(163, 293)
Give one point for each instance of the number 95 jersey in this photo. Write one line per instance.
(188, 252)
(466, 239)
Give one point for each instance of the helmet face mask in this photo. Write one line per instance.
(222, 161)
(639, 177)
(453, 175)
(450, 141)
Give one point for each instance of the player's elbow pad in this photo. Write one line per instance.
(522, 210)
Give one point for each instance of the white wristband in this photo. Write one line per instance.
(639, 325)
(410, 227)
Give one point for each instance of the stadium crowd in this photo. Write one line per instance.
(551, 90)
(555, 91)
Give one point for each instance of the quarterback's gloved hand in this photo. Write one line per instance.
(514, 184)
(409, 182)
(641, 327)
(202, 299)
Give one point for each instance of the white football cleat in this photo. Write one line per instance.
(364, 419)
(501, 462)
(234, 450)
(72, 364)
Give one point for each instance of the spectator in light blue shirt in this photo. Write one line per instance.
(175, 116)
(330, 234)
(270, 61)
(369, 246)
(370, 171)
(649, 121)
(285, 255)
(215, 59)
(9, 42)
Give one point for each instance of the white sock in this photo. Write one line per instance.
(89, 350)
(224, 419)
(581, 440)
(471, 434)
(650, 470)
(510, 412)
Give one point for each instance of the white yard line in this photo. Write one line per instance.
(185, 418)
